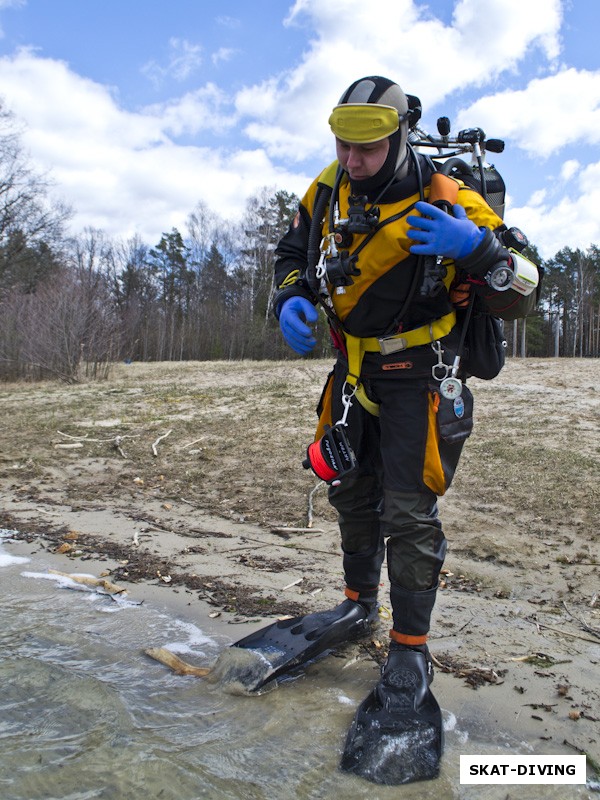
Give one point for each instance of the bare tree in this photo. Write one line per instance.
(31, 225)
(66, 329)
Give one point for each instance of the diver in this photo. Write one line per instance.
(369, 249)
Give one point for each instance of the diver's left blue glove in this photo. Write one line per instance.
(438, 233)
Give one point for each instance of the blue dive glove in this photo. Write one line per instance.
(440, 234)
(295, 312)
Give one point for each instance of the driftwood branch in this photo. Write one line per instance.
(285, 529)
(77, 441)
(190, 444)
(473, 675)
(293, 583)
(587, 628)
(309, 522)
(160, 438)
(178, 666)
(558, 630)
(87, 580)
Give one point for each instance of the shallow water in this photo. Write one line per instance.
(84, 714)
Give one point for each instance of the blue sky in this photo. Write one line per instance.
(139, 110)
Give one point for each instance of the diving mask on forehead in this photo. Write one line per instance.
(364, 123)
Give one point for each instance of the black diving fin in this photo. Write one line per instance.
(396, 736)
(280, 647)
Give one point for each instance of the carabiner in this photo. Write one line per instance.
(346, 402)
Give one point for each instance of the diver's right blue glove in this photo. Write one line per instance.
(294, 313)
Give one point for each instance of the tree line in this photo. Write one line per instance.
(72, 306)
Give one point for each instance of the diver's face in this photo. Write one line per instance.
(362, 161)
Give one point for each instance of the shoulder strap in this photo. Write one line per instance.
(329, 175)
(327, 182)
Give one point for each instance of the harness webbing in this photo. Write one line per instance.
(357, 346)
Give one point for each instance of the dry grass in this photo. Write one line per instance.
(239, 430)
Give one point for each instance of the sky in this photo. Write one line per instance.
(138, 111)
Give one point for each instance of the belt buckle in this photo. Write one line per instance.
(392, 344)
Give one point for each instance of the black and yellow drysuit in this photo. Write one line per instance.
(398, 423)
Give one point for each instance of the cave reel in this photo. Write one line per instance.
(331, 457)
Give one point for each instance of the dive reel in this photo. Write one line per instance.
(331, 457)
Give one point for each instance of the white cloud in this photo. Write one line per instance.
(569, 169)
(126, 172)
(547, 115)
(228, 22)
(121, 171)
(553, 222)
(184, 58)
(501, 32)
(538, 197)
(402, 41)
(222, 55)
(206, 109)
(60, 105)
(152, 190)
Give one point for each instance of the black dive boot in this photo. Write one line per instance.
(396, 736)
(286, 644)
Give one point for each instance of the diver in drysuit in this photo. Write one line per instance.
(368, 247)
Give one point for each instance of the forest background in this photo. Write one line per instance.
(72, 306)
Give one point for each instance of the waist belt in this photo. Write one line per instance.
(357, 346)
